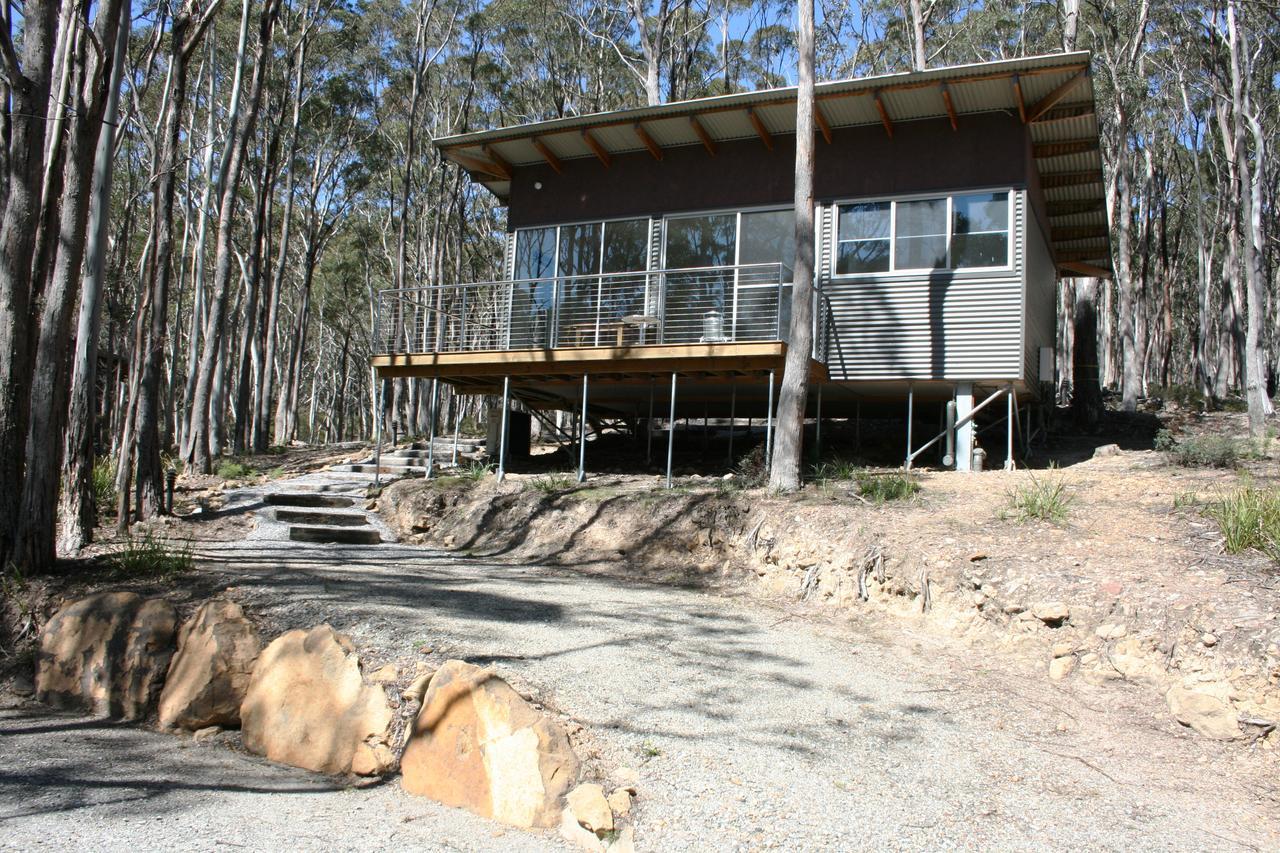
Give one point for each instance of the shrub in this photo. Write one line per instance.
(150, 556)
(1202, 451)
(232, 470)
(1040, 499)
(104, 485)
(835, 469)
(552, 483)
(474, 471)
(1249, 519)
(893, 486)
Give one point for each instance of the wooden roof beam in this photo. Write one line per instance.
(821, 120)
(701, 132)
(647, 141)
(1066, 113)
(1060, 149)
(1080, 268)
(478, 164)
(761, 130)
(552, 160)
(884, 114)
(951, 109)
(498, 160)
(1070, 208)
(1075, 255)
(1017, 98)
(596, 148)
(1050, 100)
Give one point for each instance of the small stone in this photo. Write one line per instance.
(371, 505)
(1052, 613)
(418, 688)
(372, 759)
(23, 685)
(576, 833)
(387, 674)
(1090, 659)
(1208, 715)
(589, 806)
(1013, 609)
(1209, 640)
(979, 599)
(1061, 650)
(1060, 668)
(1111, 631)
(620, 802)
(206, 733)
(1106, 450)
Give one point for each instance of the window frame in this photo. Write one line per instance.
(894, 271)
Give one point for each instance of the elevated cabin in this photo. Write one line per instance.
(648, 259)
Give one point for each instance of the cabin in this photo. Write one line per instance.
(648, 256)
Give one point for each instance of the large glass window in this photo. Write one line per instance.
(534, 293)
(920, 236)
(695, 304)
(980, 225)
(958, 232)
(768, 237)
(863, 238)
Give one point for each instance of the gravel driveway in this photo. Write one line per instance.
(751, 727)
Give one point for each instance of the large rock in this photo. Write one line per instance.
(106, 654)
(1207, 714)
(478, 745)
(210, 673)
(308, 705)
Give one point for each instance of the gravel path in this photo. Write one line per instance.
(750, 727)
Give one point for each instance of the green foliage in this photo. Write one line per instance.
(1186, 396)
(104, 485)
(151, 556)
(835, 469)
(891, 486)
(232, 470)
(552, 483)
(1186, 500)
(1039, 499)
(1250, 520)
(17, 609)
(474, 471)
(1203, 451)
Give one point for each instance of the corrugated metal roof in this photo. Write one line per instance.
(1053, 93)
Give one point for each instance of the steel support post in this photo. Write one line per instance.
(911, 416)
(768, 429)
(377, 432)
(431, 429)
(817, 428)
(1008, 460)
(582, 434)
(457, 427)
(965, 432)
(671, 429)
(502, 432)
(648, 431)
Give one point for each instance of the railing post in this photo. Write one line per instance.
(777, 314)
(662, 313)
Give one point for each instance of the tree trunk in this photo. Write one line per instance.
(794, 395)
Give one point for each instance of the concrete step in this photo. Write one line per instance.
(307, 499)
(337, 519)
(465, 445)
(335, 535)
(392, 470)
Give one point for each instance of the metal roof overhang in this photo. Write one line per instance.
(1052, 94)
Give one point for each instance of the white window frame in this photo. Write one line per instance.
(894, 271)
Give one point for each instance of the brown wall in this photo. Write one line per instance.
(991, 149)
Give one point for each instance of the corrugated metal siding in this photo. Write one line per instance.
(1041, 299)
(509, 258)
(953, 327)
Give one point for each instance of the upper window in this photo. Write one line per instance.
(586, 249)
(955, 232)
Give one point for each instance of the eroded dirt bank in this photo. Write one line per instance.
(1127, 589)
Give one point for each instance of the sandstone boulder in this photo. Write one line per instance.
(477, 744)
(1051, 613)
(106, 654)
(591, 808)
(1207, 714)
(210, 673)
(308, 705)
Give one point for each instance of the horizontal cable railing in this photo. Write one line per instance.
(725, 304)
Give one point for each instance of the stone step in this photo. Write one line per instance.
(465, 445)
(337, 519)
(370, 468)
(308, 499)
(335, 535)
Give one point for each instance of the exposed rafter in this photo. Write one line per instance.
(701, 132)
(821, 121)
(647, 141)
(1085, 269)
(951, 109)
(1050, 100)
(884, 115)
(498, 160)
(1072, 207)
(1076, 255)
(596, 148)
(1017, 98)
(552, 160)
(476, 164)
(761, 130)
(1067, 113)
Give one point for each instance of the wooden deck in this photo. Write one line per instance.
(612, 364)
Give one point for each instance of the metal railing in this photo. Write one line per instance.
(725, 304)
